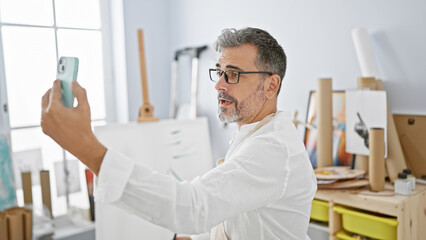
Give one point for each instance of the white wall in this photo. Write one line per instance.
(153, 18)
(316, 36)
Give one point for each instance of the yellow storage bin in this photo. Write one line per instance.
(343, 235)
(319, 210)
(368, 225)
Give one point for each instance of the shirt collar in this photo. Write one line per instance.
(247, 128)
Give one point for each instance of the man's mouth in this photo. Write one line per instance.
(224, 102)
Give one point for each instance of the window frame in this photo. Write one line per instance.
(107, 62)
(109, 99)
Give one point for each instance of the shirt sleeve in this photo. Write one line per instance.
(110, 189)
(247, 182)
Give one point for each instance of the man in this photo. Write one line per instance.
(263, 189)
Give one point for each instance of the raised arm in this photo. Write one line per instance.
(70, 127)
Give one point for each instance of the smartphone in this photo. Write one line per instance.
(67, 72)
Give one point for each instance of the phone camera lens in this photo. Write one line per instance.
(60, 61)
(63, 67)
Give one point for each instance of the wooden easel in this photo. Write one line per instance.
(146, 110)
(395, 161)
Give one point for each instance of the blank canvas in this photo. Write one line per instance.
(180, 148)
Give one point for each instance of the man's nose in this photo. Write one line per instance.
(221, 84)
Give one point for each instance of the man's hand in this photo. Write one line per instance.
(183, 238)
(70, 127)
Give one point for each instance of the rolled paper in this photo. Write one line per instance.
(15, 225)
(26, 218)
(376, 161)
(45, 190)
(364, 83)
(28, 224)
(364, 51)
(3, 227)
(27, 187)
(325, 123)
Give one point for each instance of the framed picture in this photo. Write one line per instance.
(340, 156)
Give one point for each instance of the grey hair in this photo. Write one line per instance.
(270, 56)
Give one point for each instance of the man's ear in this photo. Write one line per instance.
(272, 84)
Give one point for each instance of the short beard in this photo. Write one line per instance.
(245, 109)
(228, 117)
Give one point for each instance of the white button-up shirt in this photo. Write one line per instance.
(263, 190)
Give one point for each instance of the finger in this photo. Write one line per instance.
(45, 100)
(55, 93)
(79, 93)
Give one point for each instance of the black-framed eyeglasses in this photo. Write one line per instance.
(231, 76)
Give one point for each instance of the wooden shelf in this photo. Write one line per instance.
(410, 211)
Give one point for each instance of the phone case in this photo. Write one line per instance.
(67, 72)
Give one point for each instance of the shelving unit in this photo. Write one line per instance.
(410, 211)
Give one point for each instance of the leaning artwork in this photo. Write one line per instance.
(7, 190)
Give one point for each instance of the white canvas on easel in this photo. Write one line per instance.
(180, 148)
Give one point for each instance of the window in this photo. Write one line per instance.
(34, 34)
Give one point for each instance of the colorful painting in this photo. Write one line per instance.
(340, 156)
(7, 189)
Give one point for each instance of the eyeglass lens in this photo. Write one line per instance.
(231, 76)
